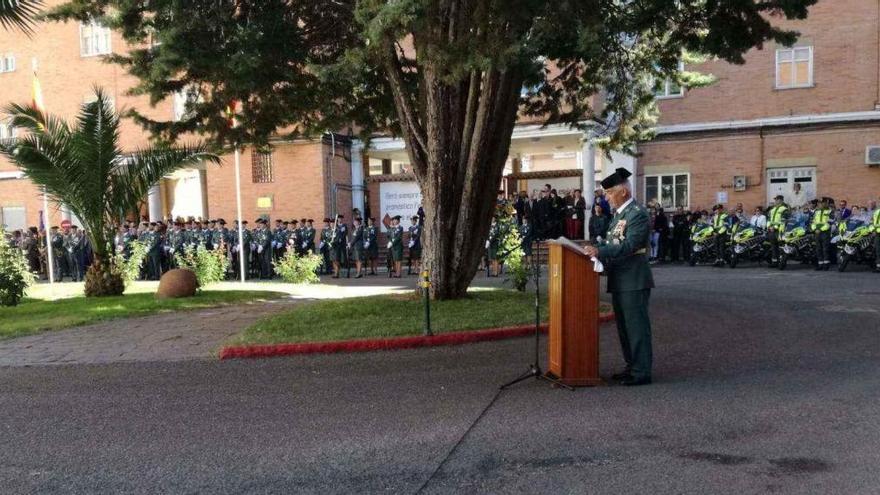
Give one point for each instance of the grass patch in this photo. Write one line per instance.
(392, 316)
(35, 315)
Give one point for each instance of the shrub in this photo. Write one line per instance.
(297, 269)
(130, 269)
(510, 248)
(15, 277)
(209, 265)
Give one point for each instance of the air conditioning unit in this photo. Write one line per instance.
(872, 155)
(740, 183)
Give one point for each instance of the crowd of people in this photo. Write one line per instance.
(340, 246)
(671, 232)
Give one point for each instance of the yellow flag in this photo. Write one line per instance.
(37, 94)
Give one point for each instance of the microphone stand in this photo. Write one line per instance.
(534, 370)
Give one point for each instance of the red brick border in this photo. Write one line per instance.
(366, 345)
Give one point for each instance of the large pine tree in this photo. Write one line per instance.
(446, 75)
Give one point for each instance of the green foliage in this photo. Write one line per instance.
(19, 14)
(130, 269)
(15, 276)
(510, 248)
(81, 165)
(209, 265)
(297, 269)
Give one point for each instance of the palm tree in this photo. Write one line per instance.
(18, 14)
(82, 166)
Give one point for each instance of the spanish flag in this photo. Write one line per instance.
(231, 110)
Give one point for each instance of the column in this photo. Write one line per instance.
(154, 201)
(357, 175)
(587, 162)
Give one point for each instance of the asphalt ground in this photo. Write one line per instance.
(765, 382)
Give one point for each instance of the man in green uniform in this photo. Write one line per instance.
(821, 228)
(263, 243)
(371, 244)
(339, 245)
(624, 254)
(324, 246)
(357, 246)
(721, 222)
(395, 246)
(73, 252)
(777, 215)
(308, 241)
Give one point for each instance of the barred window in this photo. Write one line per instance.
(262, 167)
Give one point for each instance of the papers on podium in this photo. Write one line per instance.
(598, 267)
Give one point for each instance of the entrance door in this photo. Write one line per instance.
(797, 184)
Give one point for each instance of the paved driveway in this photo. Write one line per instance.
(765, 383)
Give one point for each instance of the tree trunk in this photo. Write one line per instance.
(458, 137)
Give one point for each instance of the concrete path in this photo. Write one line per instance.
(173, 336)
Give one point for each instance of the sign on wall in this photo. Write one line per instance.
(398, 198)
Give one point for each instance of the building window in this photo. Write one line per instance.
(669, 191)
(7, 63)
(794, 67)
(262, 167)
(94, 39)
(13, 218)
(668, 88)
(7, 130)
(184, 101)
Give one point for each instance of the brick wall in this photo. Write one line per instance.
(844, 34)
(837, 154)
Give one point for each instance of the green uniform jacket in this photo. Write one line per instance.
(624, 252)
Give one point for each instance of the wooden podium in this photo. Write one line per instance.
(574, 316)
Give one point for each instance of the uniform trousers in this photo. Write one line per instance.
(634, 330)
(823, 247)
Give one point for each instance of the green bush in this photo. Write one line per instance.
(296, 269)
(15, 276)
(209, 265)
(510, 248)
(130, 269)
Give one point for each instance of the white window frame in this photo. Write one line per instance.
(91, 48)
(666, 83)
(660, 183)
(7, 130)
(793, 50)
(7, 63)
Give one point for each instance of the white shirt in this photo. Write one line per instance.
(626, 203)
(759, 221)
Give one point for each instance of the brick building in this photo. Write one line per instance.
(795, 120)
(798, 120)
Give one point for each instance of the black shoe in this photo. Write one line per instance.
(359, 276)
(623, 375)
(634, 382)
(819, 268)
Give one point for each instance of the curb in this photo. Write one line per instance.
(394, 343)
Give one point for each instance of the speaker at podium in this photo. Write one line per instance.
(574, 315)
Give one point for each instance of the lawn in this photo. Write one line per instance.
(37, 315)
(392, 316)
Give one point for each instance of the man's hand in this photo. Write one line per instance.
(591, 251)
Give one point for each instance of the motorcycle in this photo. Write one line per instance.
(855, 243)
(797, 244)
(749, 243)
(703, 245)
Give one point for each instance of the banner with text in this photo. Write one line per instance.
(398, 198)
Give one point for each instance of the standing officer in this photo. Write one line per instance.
(371, 244)
(60, 259)
(176, 240)
(357, 246)
(324, 246)
(263, 241)
(821, 227)
(73, 248)
(395, 245)
(415, 246)
(720, 223)
(624, 254)
(777, 216)
(154, 255)
(308, 242)
(339, 244)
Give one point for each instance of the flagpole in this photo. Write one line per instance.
(238, 205)
(50, 259)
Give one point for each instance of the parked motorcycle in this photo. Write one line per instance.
(855, 243)
(749, 243)
(797, 244)
(703, 245)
